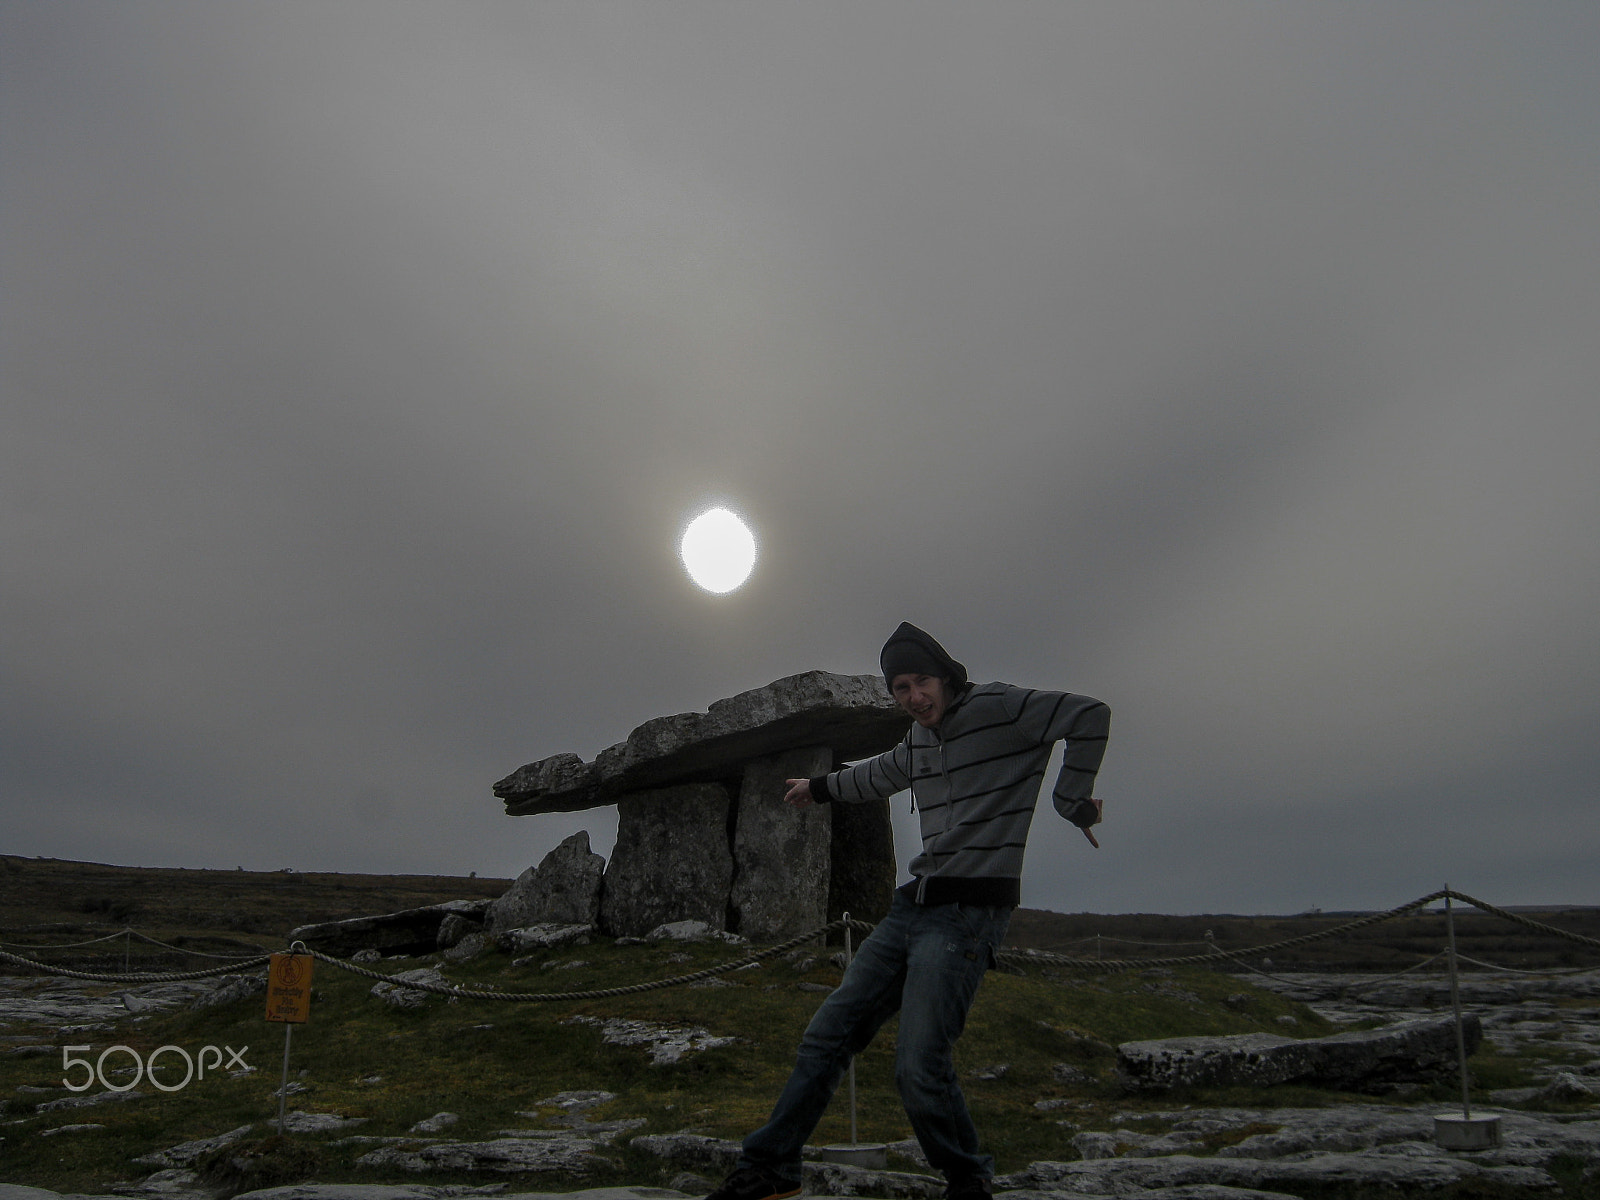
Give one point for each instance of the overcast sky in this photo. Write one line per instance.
(1236, 363)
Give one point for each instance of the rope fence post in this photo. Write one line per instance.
(873, 1155)
(848, 956)
(1465, 1132)
(1455, 1005)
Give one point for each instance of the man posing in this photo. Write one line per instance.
(974, 760)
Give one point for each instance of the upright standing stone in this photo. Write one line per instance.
(780, 853)
(564, 889)
(671, 861)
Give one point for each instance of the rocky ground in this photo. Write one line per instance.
(1558, 1012)
(1168, 1155)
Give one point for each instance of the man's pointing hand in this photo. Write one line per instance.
(1099, 806)
(799, 793)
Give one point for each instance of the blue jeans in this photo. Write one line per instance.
(926, 963)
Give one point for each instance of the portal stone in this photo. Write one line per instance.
(780, 853)
(671, 861)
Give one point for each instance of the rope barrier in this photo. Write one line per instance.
(1216, 956)
(137, 977)
(1356, 984)
(740, 964)
(66, 945)
(131, 933)
(1488, 966)
(1100, 937)
(1220, 954)
(256, 953)
(1521, 920)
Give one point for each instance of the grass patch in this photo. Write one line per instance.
(490, 1061)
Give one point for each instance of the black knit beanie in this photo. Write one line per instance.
(910, 651)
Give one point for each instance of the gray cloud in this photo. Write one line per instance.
(1233, 364)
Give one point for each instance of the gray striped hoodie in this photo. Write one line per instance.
(975, 781)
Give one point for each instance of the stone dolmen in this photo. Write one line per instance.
(702, 830)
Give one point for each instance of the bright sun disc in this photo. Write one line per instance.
(718, 550)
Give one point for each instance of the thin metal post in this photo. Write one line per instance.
(1455, 1004)
(848, 955)
(127, 945)
(283, 1092)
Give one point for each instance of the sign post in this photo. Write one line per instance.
(288, 1001)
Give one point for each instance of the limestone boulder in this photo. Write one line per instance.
(692, 931)
(186, 1154)
(1361, 1060)
(527, 938)
(410, 931)
(564, 889)
(664, 1043)
(1565, 1087)
(395, 993)
(454, 928)
(567, 1155)
(1392, 1173)
(854, 715)
(672, 861)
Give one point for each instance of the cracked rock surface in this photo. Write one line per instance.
(1278, 1150)
(1255, 1153)
(664, 1043)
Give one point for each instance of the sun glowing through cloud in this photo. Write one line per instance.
(718, 550)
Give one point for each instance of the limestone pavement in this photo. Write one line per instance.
(1159, 1155)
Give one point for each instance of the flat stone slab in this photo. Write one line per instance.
(365, 1191)
(1297, 1151)
(1408, 1051)
(186, 1154)
(664, 1043)
(1419, 1171)
(410, 931)
(852, 715)
(557, 1153)
(58, 1002)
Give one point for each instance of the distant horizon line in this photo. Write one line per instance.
(1464, 909)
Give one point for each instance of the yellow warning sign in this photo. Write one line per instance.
(289, 988)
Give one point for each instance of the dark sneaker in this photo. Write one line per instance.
(752, 1183)
(969, 1189)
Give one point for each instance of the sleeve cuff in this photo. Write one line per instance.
(1083, 813)
(820, 792)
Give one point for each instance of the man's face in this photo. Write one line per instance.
(925, 697)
